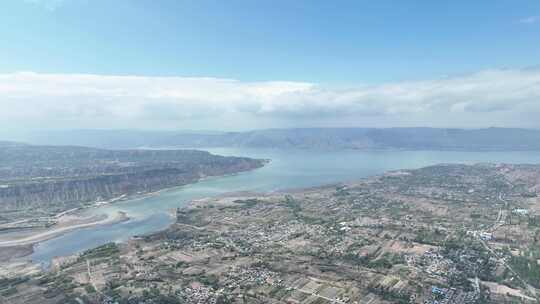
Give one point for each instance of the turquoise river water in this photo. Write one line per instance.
(288, 169)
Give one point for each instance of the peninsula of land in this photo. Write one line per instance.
(43, 189)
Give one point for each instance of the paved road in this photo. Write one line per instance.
(93, 283)
(500, 221)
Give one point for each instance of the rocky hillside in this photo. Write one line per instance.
(48, 179)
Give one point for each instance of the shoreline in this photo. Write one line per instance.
(55, 232)
(38, 237)
(137, 196)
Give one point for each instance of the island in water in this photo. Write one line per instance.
(439, 234)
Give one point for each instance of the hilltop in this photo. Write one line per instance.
(490, 139)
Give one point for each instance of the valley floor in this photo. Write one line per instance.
(440, 234)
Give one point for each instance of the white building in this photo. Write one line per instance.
(520, 211)
(486, 236)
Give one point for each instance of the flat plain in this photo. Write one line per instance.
(440, 234)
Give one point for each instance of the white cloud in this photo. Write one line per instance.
(491, 97)
(530, 20)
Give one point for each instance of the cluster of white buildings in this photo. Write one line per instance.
(520, 211)
(483, 235)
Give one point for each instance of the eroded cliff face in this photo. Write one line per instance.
(43, 185)
(66, 192)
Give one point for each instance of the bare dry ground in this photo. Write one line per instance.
(408, 237)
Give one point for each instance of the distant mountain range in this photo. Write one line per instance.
(489, 139)
(10, 144)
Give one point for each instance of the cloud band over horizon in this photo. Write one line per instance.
(501, 97)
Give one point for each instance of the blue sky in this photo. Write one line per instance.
(233, 65)
(319, 41)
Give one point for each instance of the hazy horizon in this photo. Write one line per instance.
(247, 152)
(73, 64)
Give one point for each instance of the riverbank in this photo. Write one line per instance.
(22, 242)
(12, 235)
(65, 224)
(288, 170)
